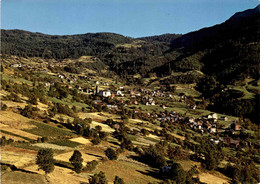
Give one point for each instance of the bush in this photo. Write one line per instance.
(3, 107)
(96, 140)
(99, 178)
(91, 165)
(154, 157)
(111, 154)
(118, 180)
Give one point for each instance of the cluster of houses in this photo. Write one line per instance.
(68, 78)
(27, 66)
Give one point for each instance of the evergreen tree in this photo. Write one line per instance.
(45, 160)
(76, 160)
(177, 173)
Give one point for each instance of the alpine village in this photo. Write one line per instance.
(102, 108)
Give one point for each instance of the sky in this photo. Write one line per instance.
(134, 18)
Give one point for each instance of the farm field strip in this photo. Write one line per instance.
(86, 157)
(105, 127)
(17, 156)
(80, 140)
(20, 133)
(15, 120)
(52, 146)
(14, 137)
(60, 175)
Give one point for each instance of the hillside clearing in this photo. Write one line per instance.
(81, 140)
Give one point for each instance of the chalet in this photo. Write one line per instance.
(163, 106)
(17, 65)
(105, 93)
(223, 118)
(191, 119)
(138, 94)
(97, 101)
(119, 93)
(216, 141)
(117, 126)
(235, 126)
(132, 92)
(61, 76)
(135, 102)
(113, 95)
(212, 130)
(150, 103)
(47, 84)
(214, 115)
(79, 88)
(112, 106)
(193, 107)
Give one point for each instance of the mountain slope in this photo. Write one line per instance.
(166, 38)
(242, 25)
(228, 51)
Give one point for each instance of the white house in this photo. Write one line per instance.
(105, 93)
(17, 65)
(119, 93)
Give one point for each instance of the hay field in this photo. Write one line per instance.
(19, 132)
(97, 115)
(17, 177)
(154, 136)
(60, 175)
(15, 138)
(80, 140)
(138, 121)
(17, 156)
(130, 172)
(105, 127)
(52, 146)
(14, 120)
(178, 136)
(86, 157)
(212, 179)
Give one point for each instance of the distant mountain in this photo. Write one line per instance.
(24, 43)
(167, 38)
(228, 51)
